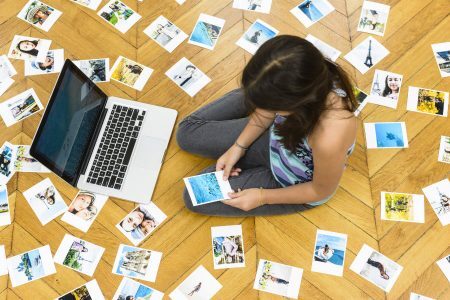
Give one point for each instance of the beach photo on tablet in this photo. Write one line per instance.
(130, 289)
(31, 265)
(3, 265)
(367, 54)
(7, 156)
(385, 88)
(88, 291)
(376, 268)
(200, 284)
(360, 97)
(386, 135)
(137, 263)
(96, 69)
(329, 253)
(327, 50)
(262, 6)
(373, 18)
(6, 68)
(258, 33)
(5, 215)
(402, 207)
(165, 33)
(39, 14)
(20, 107)
(228, 247)
(207, 188)
(29, 48)
(119, 15)
(24, 162)
(141, 222)
(206, 31)
(188, 77)
(427, 101)
(442, 55)
(92, 4)
(130, 73)
(438, 195)
(311, 11)
(83, 210)
(444, 265)
(53, 63)
(444, 150)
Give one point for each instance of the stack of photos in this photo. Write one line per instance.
(360, 98)
(402, 207)
(444, 265)
(188, 77)
(137, 263)
(29, 48)
(130, 289)
(442, 54)
(376, 268)
(228, 247)
(385, 88)
(30, 266)
(259, 33)
(278, 279)
(83, 210)
(119, 15)
(24, 162)
(165, 33)
(96, 69)
(78, 255)
(130, 73)
(367, 54)
(327, 50)
(88, 291)
(45, 201)
(54, 62)
(414, 296)
(438, 194)
(207, 188)
(262, 6)
(428, 101)
(39, 14)
(5, 216)
(141, 222)
(20, 107)
(7, 155)
(7, 70)
(373, 18)
(311, 11)
(3, 265)
(329, 253)
(386, 135)
(206, 31)
(92, 4)
(444, 150)
(200, 284)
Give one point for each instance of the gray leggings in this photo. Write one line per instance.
(210, 132)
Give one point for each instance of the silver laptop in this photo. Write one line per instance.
(102, 144)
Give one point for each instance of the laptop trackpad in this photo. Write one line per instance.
(149, 152)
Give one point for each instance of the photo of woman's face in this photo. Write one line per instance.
(394, 83)
(133, 220)
(82, 202)
(48, 62)
(26, 46)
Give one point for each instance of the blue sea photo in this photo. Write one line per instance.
(30, 265)
(128, 257)
(206, 188)
(389, 135)
(258, 34)
(311, 9)
(336, 243)
(136, 290)
(205, 33)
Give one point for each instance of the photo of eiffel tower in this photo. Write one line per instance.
(368, 61)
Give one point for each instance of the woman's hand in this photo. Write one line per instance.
(227, 161)
(246, 199)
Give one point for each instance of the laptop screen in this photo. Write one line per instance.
(69, 123)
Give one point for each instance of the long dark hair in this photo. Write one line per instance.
(288, 73)
(33, 51)
(387, 90)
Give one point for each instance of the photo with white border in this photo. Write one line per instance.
(7, 157)
(97, 69)
(3, 265)
(90, 290)
(428, 101)
(414, 296)
(361, 99)
(327, 50)
(442, 55)
(130, 288)
(444, 265)
(29, 48)
(188, 77)
(5, 83)
(130, 73)
(386, 135)
(119, 15)
(329, 253)
(261, 6)
(258, 33)
(228, 247)
(402, 207)
(206, 31)
(444, 150)
(207, 188)
(438, 195)
(200, 284)
(310, 12)
(54, 62)
(91, 4)
(165, 33)
(39, 14)
(373, 18)
(24, 162)
(385, 88)
(6, 68)
(366, 55)
(5, 213)
(20, 107)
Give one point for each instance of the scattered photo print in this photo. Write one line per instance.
(180, 1)
(376, 268)
(360, 98)
(386, 135)
(262, 6)
(24, 162)
(130, 289)
(258, 33)
(54, 62)
(444, 265)
(402, 207)
(5, 214)
(5, 83)
(206, 31)
(414, 296)
(385, 88)
(165, 33)
(228, 247)
(83, 210)
(427, 101)
(88, 291)
(373, 18)
(444, 150)
(137, 263)
(438, 194)
(311, 11)
(200, 284)
(92, 4)
(327, 50)
(7, 156)
(442, 55)
(96, 69)
(3, 265)
(207, 188)
(278, 279)
(188, 77)
(31, 265)
(20, 107)
(118, 15)
(45, 201)
(329, 253)
(39, 14)
(6, 68)
(367, 54)
(29, 48)
(130, 73)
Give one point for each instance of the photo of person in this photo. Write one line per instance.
(207, 188)
(360, 97)
(130, 73)
(262, 6)
(119, 15)
(165, 33)
(228, 247)
(20, 107)
(39, 14)
(385, 88)
(438, 195)
(200, 284)
(29, 48)
(402, 207)
(5, 217)
(6, 68)
(24, 162)
(7, 155)
(311, 11)
(53, 63)
(444, 150)
(367, 54)
(258, 33)
(188, 77)
(92, 4)
(386, 135)
(88, 291)
(133, 290)
(442, 55)
(327, 50)
(428, 101)
(444, 265)
(96, 69)
(373, 18)
(206, 31)
(329, 253)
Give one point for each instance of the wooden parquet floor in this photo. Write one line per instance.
(185, 238)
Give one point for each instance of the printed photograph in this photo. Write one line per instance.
(54, 62)
(31, 265)
(24, 162)
(165, 33)
(442, 55)
(327, 50)
(444, 150)
(258, 33)
(5, 215)
(385, 88)
(361, 97)
(367, 54)
(262, 6)
(6, 68)
(137, 263)
(207, 188)
(386, 135)
(45, 201)
(130, 73)
(3, 265)
(29, 48)
(373, 18)
(188, 77)
(118, 15)
(7, 155)
(206, 31)
(39, 14)
(311, 11)
(228, 247)
(88, 291)
(96, 69)
(444, 265)
(5, 83)
(83, 210)
(427, 101)
(329, 253)
(130, 289)
(414, 296)
(402, 207)
(438, 195)
(200, 284)
(92, 4)
(20, 107)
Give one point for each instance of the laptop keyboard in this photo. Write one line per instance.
(116, 146)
